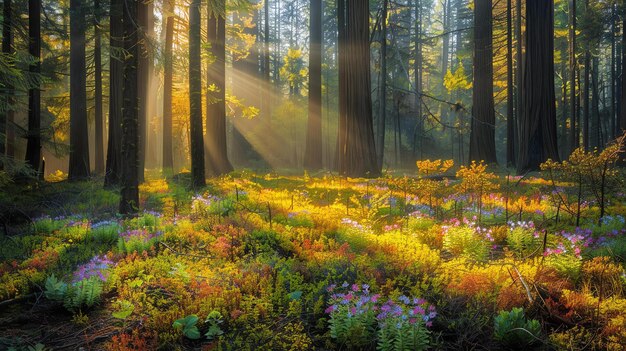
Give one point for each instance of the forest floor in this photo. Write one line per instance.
(271, 262)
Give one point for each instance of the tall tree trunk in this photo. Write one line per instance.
(596, 126)
(612, 121)
(99, 139)
(113, 174)
(359, 151)
(341, 41)
(267, 96)
(79, 143)
(537, 125)
(129, 202)
(518, 74)
(313, 151)
(33, 145)
(482, 136)
(215, 139)
(168, 160)
(585, 97)
(574, 136)
(6, 118)
(444, 69)
(142, 84)
(563, 141)
(417, 71)
(382, 89)
(510, 117)
(622, 119)
(195, 96)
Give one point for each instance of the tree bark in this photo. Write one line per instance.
(574, 136)
(382, 89)
(143, 83)
(358, 150)
(129, 202)
(99, 139)
(510, 116)
(313, 151)
(113, 173)
(585, 97)
(33, 145)
(79, 143)
(215, 139)
(168, 159)
(341, 41)
(6, 118)
(537, 125)
(482, 135)
(417, 71)
(595, 138)
(622, 120)
(195, 96)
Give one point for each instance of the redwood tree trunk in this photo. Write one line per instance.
(99, 147)
(129, 202)
(33, 145)
(537, 125)
(510, 116)
(313, 151)
(358, 151)
(168, 160)
(7, 116)
(482, 136)
(574, 137)
(113, 172)
(382, 89)
(216, 152)
(79, 143)
(195, 96)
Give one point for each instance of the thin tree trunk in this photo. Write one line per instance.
(510, 118)
(518, 74)
(113, 172)
(596, 126)
(341, 40)
(538, 141)
(563, 141)
(129, 202)
(574, 136)
(33, 145)
(313, 151)
(585, 97)
(622, 122)
(216, 152)
(99, 139)
(168, 160)
(417, 70)
(382, 88)
(267, 96)
(195, 96)
(612, 121)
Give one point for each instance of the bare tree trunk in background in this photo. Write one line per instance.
(585, 97)
(574, 136)
(510, 118)
(417, 70)
(313, 150)
(595, 138)
(482, 136)
(267, 96)
(129, 202)
(6, 119)
(195, 96)
(215, 140)
(341, 40)
(564, 141)
(622, 122)
(537, 124)
(359, 151)
(382, 88)
(612, 121)
(33, 145)
(99, 139)
(113, 172)
(518, 74)
(142, 84)
(168, 160)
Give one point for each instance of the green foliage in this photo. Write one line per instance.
(522, 241)
(84, 293)
(566, 265)
(464, 241)
(512, 329)
(106, 233)
(55, 289)
(214, 319)
(126, 308)
(399, 336)
(188, 326)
